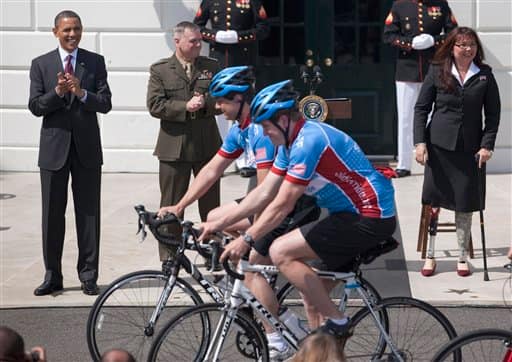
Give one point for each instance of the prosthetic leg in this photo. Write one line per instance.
(463, 229)
(430, 263)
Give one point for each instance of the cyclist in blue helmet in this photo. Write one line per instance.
(233, 89)
(234, 79)
(275, 98)
(324, 162)
(231, 80)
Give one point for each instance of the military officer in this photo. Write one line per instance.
(236, 26)
(188, 137)
(415, 28)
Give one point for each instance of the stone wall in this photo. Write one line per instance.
(131, 34)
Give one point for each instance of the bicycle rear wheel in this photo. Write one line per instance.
(416, 328)
(119, 317)
(482, 345)
(188, 336)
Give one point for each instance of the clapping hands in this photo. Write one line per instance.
(68, 83)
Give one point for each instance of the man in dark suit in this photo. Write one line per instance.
(67, 87)
(188, 137)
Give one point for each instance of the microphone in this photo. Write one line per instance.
(319, 77)
(304, 75)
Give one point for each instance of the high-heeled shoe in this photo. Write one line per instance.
(463, 268)
(429, 267)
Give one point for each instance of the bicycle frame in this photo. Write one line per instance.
(241, 295)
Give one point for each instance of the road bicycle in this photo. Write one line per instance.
(126, 313)
(410, 329)
(129, 311)
(481, 345)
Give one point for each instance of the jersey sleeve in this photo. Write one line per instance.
(231, 148)
(305, 154)
(262, 147)
(280, 164)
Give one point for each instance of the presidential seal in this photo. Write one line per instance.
(313, 108)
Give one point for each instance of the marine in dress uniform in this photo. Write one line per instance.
(415, 28)
(236, 26)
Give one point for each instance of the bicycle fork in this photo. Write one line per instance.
(224, 323)
(149, 329)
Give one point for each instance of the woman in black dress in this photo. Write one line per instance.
(457, 140)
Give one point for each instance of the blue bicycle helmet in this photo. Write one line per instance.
(272, 99)
(231, 80)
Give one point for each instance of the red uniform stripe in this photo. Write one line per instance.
(225, 154)
(278, 171)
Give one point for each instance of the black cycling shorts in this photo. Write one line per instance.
(339, 238)
(304, 212)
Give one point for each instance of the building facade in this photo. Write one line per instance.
(134, 35)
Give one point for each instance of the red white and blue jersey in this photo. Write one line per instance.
(335, 170)
(248, 138)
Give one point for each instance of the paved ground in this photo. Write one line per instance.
(58, 321)
(62, 330)
(21, 266)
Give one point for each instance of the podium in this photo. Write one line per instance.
(314, 107)
(339, 108)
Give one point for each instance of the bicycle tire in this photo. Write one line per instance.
(481, 345)
(416, 328)
(188, 335)
(354, 303)
(120, 313)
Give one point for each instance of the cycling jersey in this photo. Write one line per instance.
(335, 170)
(248, 138)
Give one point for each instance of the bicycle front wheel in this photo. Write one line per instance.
(196, 333)
(416, 329)
(483, 345)
(120, 316)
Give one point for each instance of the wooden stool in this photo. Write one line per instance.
(442, 227)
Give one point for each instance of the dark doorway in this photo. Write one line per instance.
(344, 38)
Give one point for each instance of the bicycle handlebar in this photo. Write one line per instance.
(178, 232)
(174, 234)
(230, 271)
(217, 249)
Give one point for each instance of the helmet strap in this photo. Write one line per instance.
(242, 101)
(284, 131)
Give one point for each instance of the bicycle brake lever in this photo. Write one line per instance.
(215, 254)
(141, 229)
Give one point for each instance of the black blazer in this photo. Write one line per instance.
(458, 114)
(63, 119)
